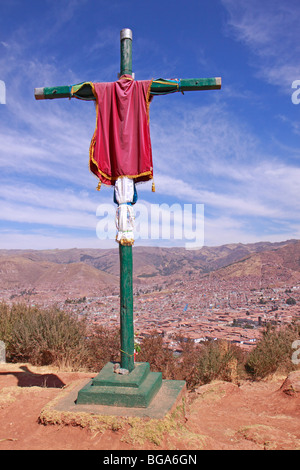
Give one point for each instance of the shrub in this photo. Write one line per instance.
(273, 352)
(197, 364)
(103, 346)
(42, 337)
(219, 360)
(160, 358)
(186, 364)
(6, 323)
(52, 336)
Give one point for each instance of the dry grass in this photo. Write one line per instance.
(10, 394)
(134, 431)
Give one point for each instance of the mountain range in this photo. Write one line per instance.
(91, 271)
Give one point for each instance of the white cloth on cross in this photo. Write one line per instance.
(124, 193)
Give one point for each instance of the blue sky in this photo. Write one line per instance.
(234, 150)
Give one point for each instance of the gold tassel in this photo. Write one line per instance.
(153, 187)
(99, 186)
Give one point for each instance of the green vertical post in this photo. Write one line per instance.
(126, 308)
(125, 252)
(126, 52)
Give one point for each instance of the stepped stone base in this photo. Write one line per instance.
(65, 409)
(136, 389)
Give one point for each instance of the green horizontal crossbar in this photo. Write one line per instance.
(49, 93)
(160, 86)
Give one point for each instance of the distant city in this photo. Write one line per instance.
(208, 310)
(233, 302)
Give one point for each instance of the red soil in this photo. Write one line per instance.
(218, 416)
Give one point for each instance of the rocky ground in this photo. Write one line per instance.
(220, 416)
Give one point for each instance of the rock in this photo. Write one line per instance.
(291, 385)
(119, 370)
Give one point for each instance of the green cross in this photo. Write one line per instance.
(159, 87)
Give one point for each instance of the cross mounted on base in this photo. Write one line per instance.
(88, 91)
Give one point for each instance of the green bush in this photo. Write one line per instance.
(103, 346)
(42, 337)
(160, 358)
(186, 364)
(197, 364)
(219, 360)
(273, 352)
(6, 323)
(54, 337)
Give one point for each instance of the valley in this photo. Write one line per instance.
(228, 292)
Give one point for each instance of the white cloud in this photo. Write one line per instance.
(225, 230)
(47, 198)
(270, 30)
(208, 156)
(26, 214)
(50, 241)
(202, 154)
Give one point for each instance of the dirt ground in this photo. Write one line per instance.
(220, 416)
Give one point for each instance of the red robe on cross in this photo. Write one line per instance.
(121, 144)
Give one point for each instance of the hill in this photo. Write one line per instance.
(93, 272)
(148, 261)
(24, 274)
(271, 268)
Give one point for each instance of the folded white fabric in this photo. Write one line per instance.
(124, 193)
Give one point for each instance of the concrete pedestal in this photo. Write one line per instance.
(135, 389)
